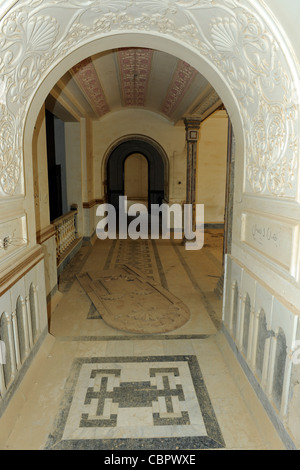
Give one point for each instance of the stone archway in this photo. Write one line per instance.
(157, 164)
(240, 48)
(237, 47)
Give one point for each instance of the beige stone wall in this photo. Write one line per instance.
(40, 172)
(109, 129)
(75, 172)
(89, 160)
(211, 168)
(136, 177)
(49, 248)
(80, 173)
(45, 233)
(212, 155)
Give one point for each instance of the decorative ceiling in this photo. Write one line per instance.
(136, 78)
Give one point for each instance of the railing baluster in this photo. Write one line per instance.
(66, 232)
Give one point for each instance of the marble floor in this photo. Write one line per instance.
(95, 387)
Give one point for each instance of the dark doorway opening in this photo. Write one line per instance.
(116, 165)
(55, 134)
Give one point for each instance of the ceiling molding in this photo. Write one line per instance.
(182, 79)
(138, 78)
(87, 79)
(135, 69)
(71, 97)
(60, 107)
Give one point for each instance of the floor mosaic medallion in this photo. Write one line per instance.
(129, 301)
(151, 402)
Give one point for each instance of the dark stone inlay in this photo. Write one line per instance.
(235, 309)
(247, 312)
(93, 313)
(135, 253)
(131, 395)
(170, 370)
(124, 337)
(85, 422)
(160, 268)
(169, 404)
(263, 335)
(209, 308)
(212, 440)
(68, 275)
(155, 444)
(182, 421)
(110, 255)
(114, 372)
(279, 368)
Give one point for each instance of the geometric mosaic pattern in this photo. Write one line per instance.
(135, 254)
(152, 402)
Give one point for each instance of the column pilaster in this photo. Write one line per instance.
(192, 127)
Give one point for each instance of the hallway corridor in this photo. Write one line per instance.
(94, 387)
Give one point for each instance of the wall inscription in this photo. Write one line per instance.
(276, 239)
(264, 233)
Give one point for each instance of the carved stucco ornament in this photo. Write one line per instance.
(230, 34)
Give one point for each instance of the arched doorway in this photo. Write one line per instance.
(156, 164)
(241, 49)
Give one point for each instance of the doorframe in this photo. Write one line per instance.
(144, 139)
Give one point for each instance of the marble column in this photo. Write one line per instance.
(192, 127)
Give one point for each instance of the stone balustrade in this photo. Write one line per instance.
(65, 233)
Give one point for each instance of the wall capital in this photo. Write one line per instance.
(192, 127)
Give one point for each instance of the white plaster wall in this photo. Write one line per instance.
(74, 169)
(287, 16)
(89, 220)
(79, 172)
(211, 167)
(49, 248)
(280, 318)
(40, 169)
(41, 197)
